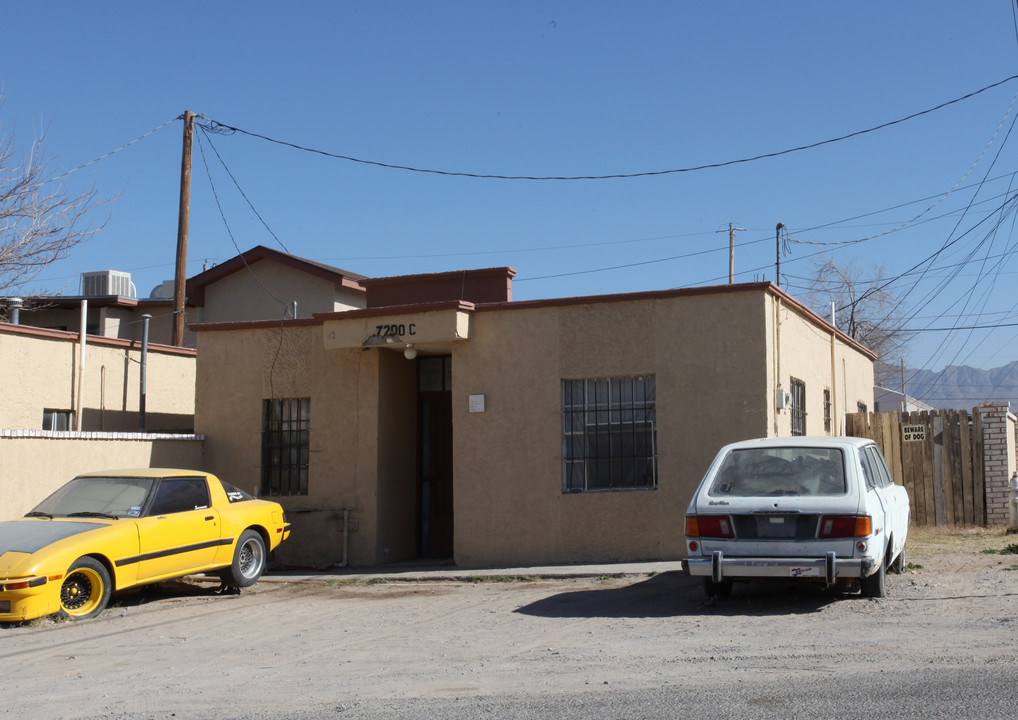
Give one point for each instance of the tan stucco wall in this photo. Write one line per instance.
(32, 468)
(707, 354)
(268, 291)
(46, 375)
(804, 351)
(352, 467)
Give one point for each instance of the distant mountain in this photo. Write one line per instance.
(963, 387)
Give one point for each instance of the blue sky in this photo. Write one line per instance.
(547, 89)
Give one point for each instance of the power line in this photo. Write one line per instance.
(229, 232)
(216, 126)
(114, 152)
(241, 190)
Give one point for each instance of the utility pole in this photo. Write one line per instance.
(180, 277)
(904, 397)
(777, 265)
(731, 250)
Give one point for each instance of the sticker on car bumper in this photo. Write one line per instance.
(798, 572)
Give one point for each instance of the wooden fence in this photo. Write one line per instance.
(937, 456)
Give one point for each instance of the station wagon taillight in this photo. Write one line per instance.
(709, 526)
(846, 526)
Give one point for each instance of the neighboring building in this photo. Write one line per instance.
(44, 373)
(59, 417)
(109, 316)
(265, 284)
(259, 284)
(885, 400)
(442, 419)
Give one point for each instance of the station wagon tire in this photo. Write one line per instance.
(85, 590)
(712, 589)
(248, 560)
(875, 585)
(899, 564)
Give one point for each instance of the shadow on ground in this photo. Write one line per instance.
(163, 591)
(675, 595)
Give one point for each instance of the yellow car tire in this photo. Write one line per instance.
(248, 560)
(85, 590)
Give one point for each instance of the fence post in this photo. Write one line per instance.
(939, 504)
(995, 460)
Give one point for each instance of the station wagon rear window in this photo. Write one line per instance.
(771, 472)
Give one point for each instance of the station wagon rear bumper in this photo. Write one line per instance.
(718, 567)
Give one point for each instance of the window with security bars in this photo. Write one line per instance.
(827, 410)
(286, 425)
(609, 434)
(798, 407)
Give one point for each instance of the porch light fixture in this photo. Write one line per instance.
(376, 340)
(411, 352)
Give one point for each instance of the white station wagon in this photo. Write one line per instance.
(823, 509)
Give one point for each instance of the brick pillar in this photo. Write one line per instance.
(998, 449)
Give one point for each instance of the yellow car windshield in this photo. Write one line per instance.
(98, 497)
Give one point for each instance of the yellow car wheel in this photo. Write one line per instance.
(85, 590)
(248, 561)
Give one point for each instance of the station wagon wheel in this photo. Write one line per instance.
(85, 589)
(248, 560)
(899, 564)
(712, 589)
(875, 585)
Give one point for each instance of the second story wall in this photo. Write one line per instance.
(267, 291)
(41, 379)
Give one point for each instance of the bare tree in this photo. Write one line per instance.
(40, 221)
(866, 309)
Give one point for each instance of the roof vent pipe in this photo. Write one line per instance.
(14, 306)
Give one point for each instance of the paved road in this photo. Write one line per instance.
(957, 694)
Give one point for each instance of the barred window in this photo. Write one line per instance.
(609, 434)
(286, 427)
(827, 410)
(798, 409)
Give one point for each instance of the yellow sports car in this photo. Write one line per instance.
(107, 531)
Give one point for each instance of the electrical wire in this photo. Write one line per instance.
(229, 232)
(942, 198)
(241, 190)
(220, 127)
(252, 273)
(114, 152)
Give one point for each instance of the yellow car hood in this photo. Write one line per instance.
(20, 539)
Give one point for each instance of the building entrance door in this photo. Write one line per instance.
(434, 457)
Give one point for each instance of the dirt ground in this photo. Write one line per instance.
(325, 645)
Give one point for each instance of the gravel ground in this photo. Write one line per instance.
(320, 648)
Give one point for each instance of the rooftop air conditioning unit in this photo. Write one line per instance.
(107, 282)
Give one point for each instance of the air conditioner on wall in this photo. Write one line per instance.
(107, 282)
(782, 397)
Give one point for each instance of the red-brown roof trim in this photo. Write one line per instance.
(67, 335)
(768, 287)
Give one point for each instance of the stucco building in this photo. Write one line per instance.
(443, 419)
(64, 411)
(258, 284)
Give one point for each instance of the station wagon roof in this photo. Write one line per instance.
(802, 441)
